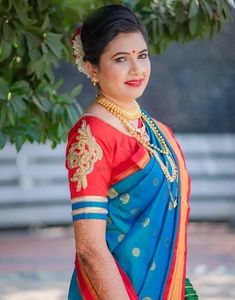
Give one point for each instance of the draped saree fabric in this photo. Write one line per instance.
(146, 231)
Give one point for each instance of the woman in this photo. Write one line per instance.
(128, 181)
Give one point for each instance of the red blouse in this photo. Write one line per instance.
(99, 155)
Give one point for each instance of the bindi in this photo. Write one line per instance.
(133, 51)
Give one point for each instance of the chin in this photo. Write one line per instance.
(136, 93)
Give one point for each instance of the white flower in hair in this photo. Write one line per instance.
(78, 51)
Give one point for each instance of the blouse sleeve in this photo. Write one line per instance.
(88, 161)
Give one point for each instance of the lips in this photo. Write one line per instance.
(134, 83)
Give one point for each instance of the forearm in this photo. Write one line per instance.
(104, 275)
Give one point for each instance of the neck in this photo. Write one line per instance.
(127, 104)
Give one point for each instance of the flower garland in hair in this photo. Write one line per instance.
(78, 51)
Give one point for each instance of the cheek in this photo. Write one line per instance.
(148, 66)
(113, 73)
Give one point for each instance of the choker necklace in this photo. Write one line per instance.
(114, 107)
(143, 138)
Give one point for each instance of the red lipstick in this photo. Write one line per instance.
(134, 82)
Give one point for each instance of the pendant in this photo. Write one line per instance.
(146, 137)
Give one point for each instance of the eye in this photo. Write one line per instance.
(120, 59)
(143, 55)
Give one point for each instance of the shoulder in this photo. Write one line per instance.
(88, 124)
(91, 131)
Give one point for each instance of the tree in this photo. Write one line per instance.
(35, 36)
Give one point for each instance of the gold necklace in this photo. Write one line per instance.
(115, 108)
(101, 99)
(143, 139)
(147, 145)
(141, 131)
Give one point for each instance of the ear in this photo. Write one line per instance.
(91, 69)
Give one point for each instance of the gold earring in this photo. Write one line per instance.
(94, 81)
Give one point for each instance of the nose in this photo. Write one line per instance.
(136, 70)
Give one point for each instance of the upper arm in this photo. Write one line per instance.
(88, 162)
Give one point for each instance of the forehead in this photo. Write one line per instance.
(126, 42)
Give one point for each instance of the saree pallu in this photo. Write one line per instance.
(146, 232)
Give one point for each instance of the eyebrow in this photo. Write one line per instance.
(118, 53)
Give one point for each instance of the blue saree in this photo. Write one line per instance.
(146, 226)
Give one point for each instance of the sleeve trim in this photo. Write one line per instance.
(98, 210)
(89, 198)
(88, 204)
(89, 216)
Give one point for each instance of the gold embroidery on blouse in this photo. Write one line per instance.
(83, 154)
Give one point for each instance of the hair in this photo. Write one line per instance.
(103, 25)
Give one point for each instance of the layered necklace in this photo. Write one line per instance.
(141, 135)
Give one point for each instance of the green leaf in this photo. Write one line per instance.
(180, 14)
(193, 23)
(35, 54)
(43, 5)
(57, 110)
(208, 8)
(19, 142)
(20, 87)
(72, 114)
(10, 4)
(33, 41)
(21, 11)
(60, 130)
(18, 105)
(54, 43)
(58, 84)
(79, 108)
(33, 133)
(7, 31)
(37, 103)
(46, 22)
(50, 75)
(37, 67)
(193, 8)
(3, 115)
(2, 140)
(76, 91)
(11, 116)
(46, 103)
(5, 50)
(4, 88)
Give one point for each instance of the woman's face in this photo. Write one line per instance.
(124, 67)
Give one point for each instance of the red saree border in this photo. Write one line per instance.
(86, 289)
(175, 283)
(132, 169)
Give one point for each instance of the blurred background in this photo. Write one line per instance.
(192, 90)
